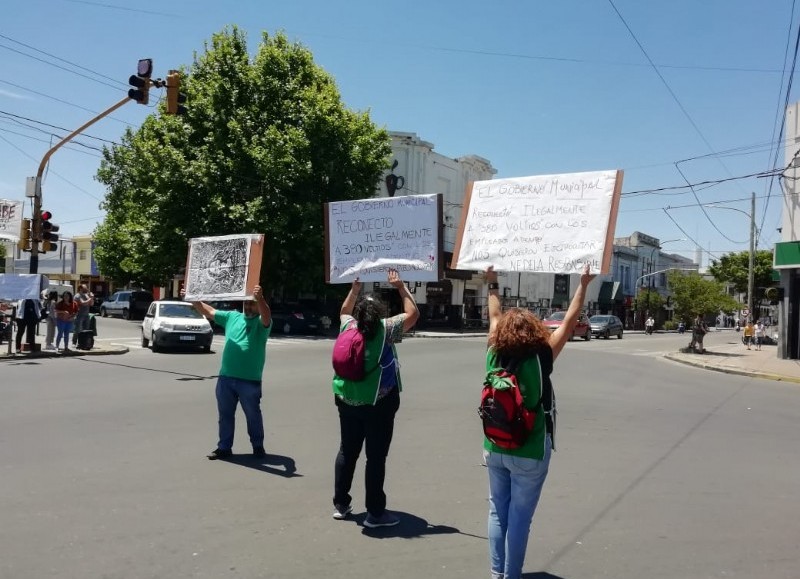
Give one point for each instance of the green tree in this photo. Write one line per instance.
(265, 142)
(733, 268)
(692, 294)
(648, 301)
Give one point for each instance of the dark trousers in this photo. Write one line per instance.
(28, 326)
(375, 425)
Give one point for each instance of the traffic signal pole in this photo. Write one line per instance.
(37, 200)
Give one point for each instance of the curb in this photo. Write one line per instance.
(73, 354)
(736, 371)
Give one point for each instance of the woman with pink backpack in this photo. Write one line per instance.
(366, 388)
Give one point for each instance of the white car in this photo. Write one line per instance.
(175, 324)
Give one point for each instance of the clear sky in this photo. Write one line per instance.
(535, 87)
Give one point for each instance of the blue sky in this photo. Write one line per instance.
(535, 87)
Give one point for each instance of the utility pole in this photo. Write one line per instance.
(751, 262)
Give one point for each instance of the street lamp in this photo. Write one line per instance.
(659, 248)
(751, 260)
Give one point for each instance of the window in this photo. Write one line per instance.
(82, 255)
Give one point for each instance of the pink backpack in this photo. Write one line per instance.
(349, 354)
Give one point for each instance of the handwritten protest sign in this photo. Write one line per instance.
(225, 267)
(366, 238)
(10, 219)
(546, 223)
(22, 286)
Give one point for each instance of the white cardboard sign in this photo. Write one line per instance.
(366, 238)
(10, 219)
(545, 223)
(22, 286)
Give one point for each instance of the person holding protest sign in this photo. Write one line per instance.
(521, 344)
(368, 400)
(239, 380)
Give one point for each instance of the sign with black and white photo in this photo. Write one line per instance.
(225, 267)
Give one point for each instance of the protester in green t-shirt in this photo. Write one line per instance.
(239, 380)
(517, 338)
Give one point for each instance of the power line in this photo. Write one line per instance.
(59, 66)
(112, 6)
(56, 127)
(783, 121)
(19, 86)
(46, 141)
(678, 102)
(28, 46)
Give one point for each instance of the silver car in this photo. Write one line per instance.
(606, 326)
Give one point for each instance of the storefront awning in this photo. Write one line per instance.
(610, 293)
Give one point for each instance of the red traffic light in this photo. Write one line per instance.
(46, 215)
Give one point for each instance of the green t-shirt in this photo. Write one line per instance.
(245, 345)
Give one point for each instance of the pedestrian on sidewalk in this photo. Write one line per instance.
(649, 325)
(759, 334)
(85, 300)
(516, 476)
(239, 381)
(52, 319)
(29, 314)
(367, 406)
(748, 334)
(66, 310)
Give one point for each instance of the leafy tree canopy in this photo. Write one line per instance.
(692, 294)
(265, 142)
(733, 268)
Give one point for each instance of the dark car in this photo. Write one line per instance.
(606, 326)
(295, 319)
(128, 304)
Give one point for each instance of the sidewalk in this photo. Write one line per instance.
(97, 350)
(725, 352)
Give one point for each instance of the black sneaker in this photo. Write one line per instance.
(220, 453)
(341, 512)
(385, 520)
(259, 452)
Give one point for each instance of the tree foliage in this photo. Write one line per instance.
(648, 301)
(692, 294)
(265, 142)
(733, 268)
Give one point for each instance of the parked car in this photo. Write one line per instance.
(127, 304)
(294, 319)
(581, 329)
(175, 324)
(606, 326)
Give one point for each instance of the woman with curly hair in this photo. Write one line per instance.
(516, 476)
(367, 406)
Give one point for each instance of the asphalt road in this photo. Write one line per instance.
(662, 470)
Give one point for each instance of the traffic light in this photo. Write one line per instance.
(141, 81)
(175, 98)
(49, 232)
(24, 243)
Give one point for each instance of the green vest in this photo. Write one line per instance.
(534, 376)
(364, 391)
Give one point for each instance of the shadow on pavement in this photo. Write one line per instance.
(541, 575)
(410, 527)
(268, 464)
(185, 376)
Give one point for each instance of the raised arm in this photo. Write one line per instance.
(409, 305)
(202, 307)
(263, 306)
(350, 301)
(562, 333)
(495, 311)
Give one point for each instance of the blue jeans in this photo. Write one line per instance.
(515, 484)
(64, 328)
(248, 393)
